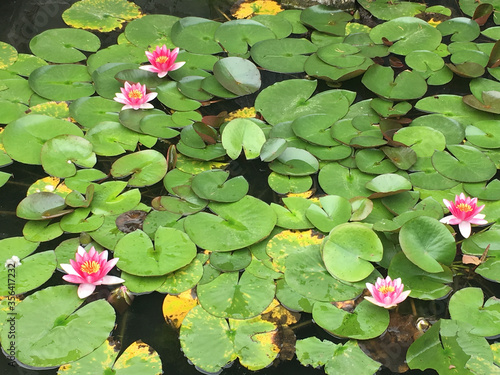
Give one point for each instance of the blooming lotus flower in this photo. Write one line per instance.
(162, 60)
(464, 212)
(90, 269)
(134, 96)
(386, 292)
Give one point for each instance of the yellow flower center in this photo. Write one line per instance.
(90, 267)
(161, 59)
(135, 94)
(464, 207)
(386, 289)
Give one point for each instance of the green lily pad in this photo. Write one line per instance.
(237, 75)
(195, 34)
(315, 128)
(294, 98)
(249, 340)
(427, 243)
(349, 249)
(295, 162)
(10, 111)
(231, 296)
(316, 67)
(348, 183)
(467, 305)
(407, 85)
(169, 95)
(61, 82)
(90, 111)
(117, 53)
(150, 30)
(345, 358)
(108, 200)
(374, 161)
(272, 148)
(450, 343)
(147, 167)
(190, 86)
(318, 285)
(365, 322)
(464, 164)
(484, 134)
(325, 19)
(213, 185)
(30, 274)
(235, 225)
(476, 245)
(423, 285)
(290, 299)
(282, 55)
(51, 318)
(334, 210)
(293, 214)
(231, 261)
(104, 78)
(236, 35)
(461, 29)
(103, 16)
(60, 154)
(391, 9)
(111, 138)
(243, 133)
(41, 206)
(172, 250)
(289, 184)
(41, 230)
(388, 184)
(408, 34)
(484, 191)
(64, 45)
(452, 130)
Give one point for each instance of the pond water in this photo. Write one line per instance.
(23, 19)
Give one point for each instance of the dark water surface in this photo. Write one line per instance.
(20, 20)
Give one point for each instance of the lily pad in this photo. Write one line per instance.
(467, 305)
(391, 9)
(237, 75)
(427, 243)
(325, 19)
(196, 34)
(100, 15)
(349, 249)
(41, 206)
(62, 82)
(234, 225)
(172, 250)
(212, 185)
(282, 55)
(236, 35)
(334, 210)
(365, 322)
(147, 167)
(52, 317)
(64, 45)
(243, 134)
(232, 296)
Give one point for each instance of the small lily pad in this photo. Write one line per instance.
(147, 167)
(243, 134)
(213, 185)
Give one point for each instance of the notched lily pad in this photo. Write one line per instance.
(213, 185)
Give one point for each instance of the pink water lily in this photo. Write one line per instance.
(135, 96)
(386, 292)
(464, 212)
(162, 60)
(90, 269)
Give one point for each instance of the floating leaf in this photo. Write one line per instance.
(212, 185)
(100, 15)
(237, 75)
(147, 167)
(52, 318)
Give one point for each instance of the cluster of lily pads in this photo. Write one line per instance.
(139, 166)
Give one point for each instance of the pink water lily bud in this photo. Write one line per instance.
(464, 212)
(135, 96)
(162, 61)
(90, 269)
(386, 292)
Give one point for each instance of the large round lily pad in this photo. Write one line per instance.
(427, 243)
(349, 249)
(232, 296)
(49, 321)
(172, 250)
(64, 45)
(34, 131)
(234, 225)
(237, 75)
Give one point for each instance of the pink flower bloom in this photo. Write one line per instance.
(134, 96)
(162, 60)
(464, 212)
(90, 269)
(386, 292)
